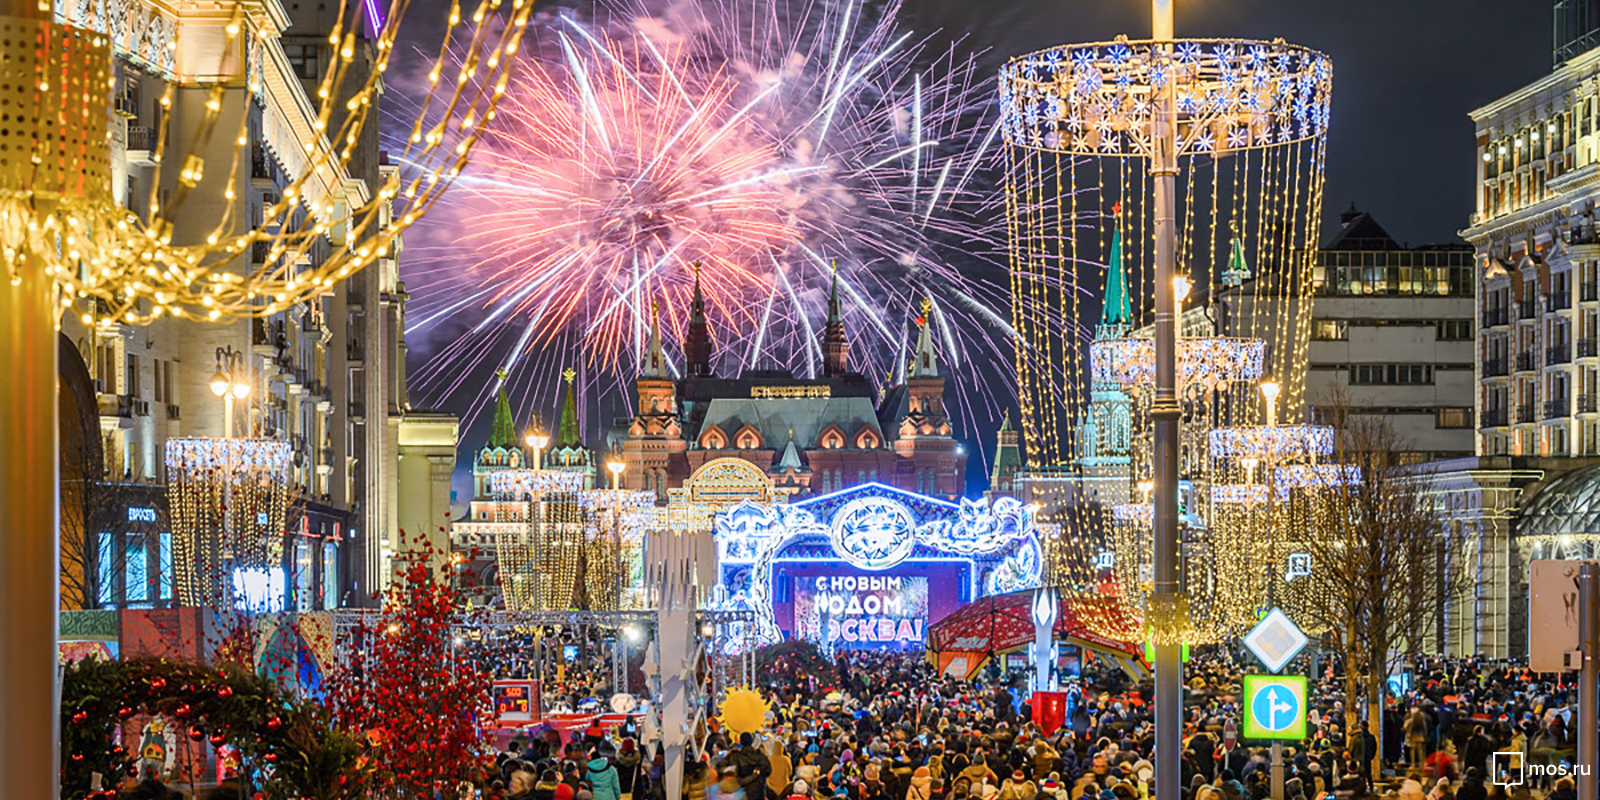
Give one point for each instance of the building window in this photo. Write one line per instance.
(136, 569)
(1391, 374)
(1453, 418)
(106, 569)
(303, 60)
(1455, 330)
(1330, 330)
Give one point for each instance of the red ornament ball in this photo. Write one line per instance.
(225, 692)
(274, 724)
(182, 710)
(158, 683)
(270, 758)
(218, 740)
(124, 713)
(196, 734)
(80, 717)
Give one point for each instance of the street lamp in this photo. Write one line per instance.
(229, 383)
(1269, 390)
(616, 466)
(537, 440)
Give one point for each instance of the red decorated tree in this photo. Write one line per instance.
(423, 710)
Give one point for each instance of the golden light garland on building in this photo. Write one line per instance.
(120, 267)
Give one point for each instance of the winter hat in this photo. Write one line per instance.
(564, 791)
(802, 788)
(1018, 776)
(1050, 785)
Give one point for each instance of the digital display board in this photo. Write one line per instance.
(862, 612)
(515, 702)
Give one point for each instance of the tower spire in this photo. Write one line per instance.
(569, 433)
(1238, 270)
(925, 362)
(655, 361)
(835, 346)
(1118, 313)
(503, 433)
(697, 342)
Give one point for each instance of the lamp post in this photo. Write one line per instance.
(616, 466)
(228, 383)
(1165, 611)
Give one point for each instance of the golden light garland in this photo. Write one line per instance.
(120, 267)
(228, 500)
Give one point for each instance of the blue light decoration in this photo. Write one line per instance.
(874, 527)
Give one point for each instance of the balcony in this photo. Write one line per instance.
(1587, 403)
(1558, 301)
(1527, 361)
(1493, 418)
(1494, 316)
(1559, 354)
(1495, 367)
(141, 146)
(1525, 413)
(1559, 407)
(1588, 348)
(1527, 309)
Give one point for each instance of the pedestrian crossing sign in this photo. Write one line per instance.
(1274, 707)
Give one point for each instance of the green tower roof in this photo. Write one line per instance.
(504, 432)
(1117, 309)
(568, 432)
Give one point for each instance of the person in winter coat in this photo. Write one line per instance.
(782, 771)
(629, 758)
(800, 791)
(728, 787)
(698, 779)
(603, 780)
(545, 789)
(977, 772)
(921, 787)
(1018, 787)
(1472, 786)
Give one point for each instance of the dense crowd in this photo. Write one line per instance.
(883, 726)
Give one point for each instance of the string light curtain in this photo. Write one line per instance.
(228, 500)
(1078, 123)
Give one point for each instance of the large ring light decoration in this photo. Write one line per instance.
(876, 532)
(873, 533)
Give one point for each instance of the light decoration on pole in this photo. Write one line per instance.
(228, 499)
(1084, 127)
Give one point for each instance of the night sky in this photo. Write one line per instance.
(1406, 74)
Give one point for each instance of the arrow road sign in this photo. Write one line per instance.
(1275, 707)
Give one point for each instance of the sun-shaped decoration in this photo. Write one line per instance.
(742, 710)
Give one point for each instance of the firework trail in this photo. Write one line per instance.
(762, 141)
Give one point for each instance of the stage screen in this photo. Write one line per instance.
(862, 612)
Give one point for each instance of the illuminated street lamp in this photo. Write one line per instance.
(616, 466)
(229, 383)
(537, 440)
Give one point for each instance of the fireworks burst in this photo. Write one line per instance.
(763, 146)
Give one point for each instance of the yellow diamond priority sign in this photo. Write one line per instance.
(1275, 640)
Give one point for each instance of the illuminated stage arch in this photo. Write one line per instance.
(869, 532)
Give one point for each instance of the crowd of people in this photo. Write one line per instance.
(886, 726)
